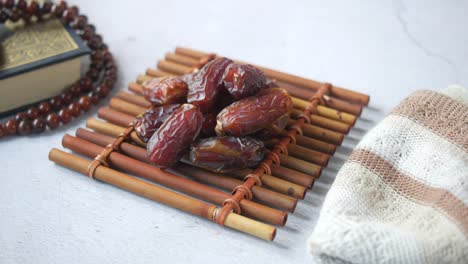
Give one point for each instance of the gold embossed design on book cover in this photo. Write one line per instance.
(35, 42)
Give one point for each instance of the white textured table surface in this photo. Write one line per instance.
(387, 49)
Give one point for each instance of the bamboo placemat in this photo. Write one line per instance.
(253, 201)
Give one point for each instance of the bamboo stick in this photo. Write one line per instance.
(300, 165)
(136, 88)
(310, 84)
(162, 195)
(309, 155)
(292, 79)
(174, 68)
(190, 52)
(263, 195)
(282, 186)
(134, 99)
(326, 111)
(306, 154)
(184, 60)
(320, 133)
(115, 130)
(157, 73)
(114, 116)
(315, 144)
(332, 102)
(293, 176)
(324, 122)
(111, 129)
(126, 107)
(141, 78)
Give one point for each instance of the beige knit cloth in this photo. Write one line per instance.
(402, 195)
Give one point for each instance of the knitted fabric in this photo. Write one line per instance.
(402, 195)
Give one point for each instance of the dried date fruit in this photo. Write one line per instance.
(209, 125)
(272, 130)
(165, 90)
(147, 123)
(243, 80)
(188, 78)
(222, 154)
(206, 84)
(169, 143)
(224, 99)
(253, 113)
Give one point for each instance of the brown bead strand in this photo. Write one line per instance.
(80, 96)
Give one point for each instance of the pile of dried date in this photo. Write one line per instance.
(209, 114)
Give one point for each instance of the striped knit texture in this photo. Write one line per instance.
(402, 195)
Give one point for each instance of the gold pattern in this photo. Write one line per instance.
(36, 42)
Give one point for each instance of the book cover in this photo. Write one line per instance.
(27, 52)
(38, 45)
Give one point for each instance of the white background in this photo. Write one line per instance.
(387, 49)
